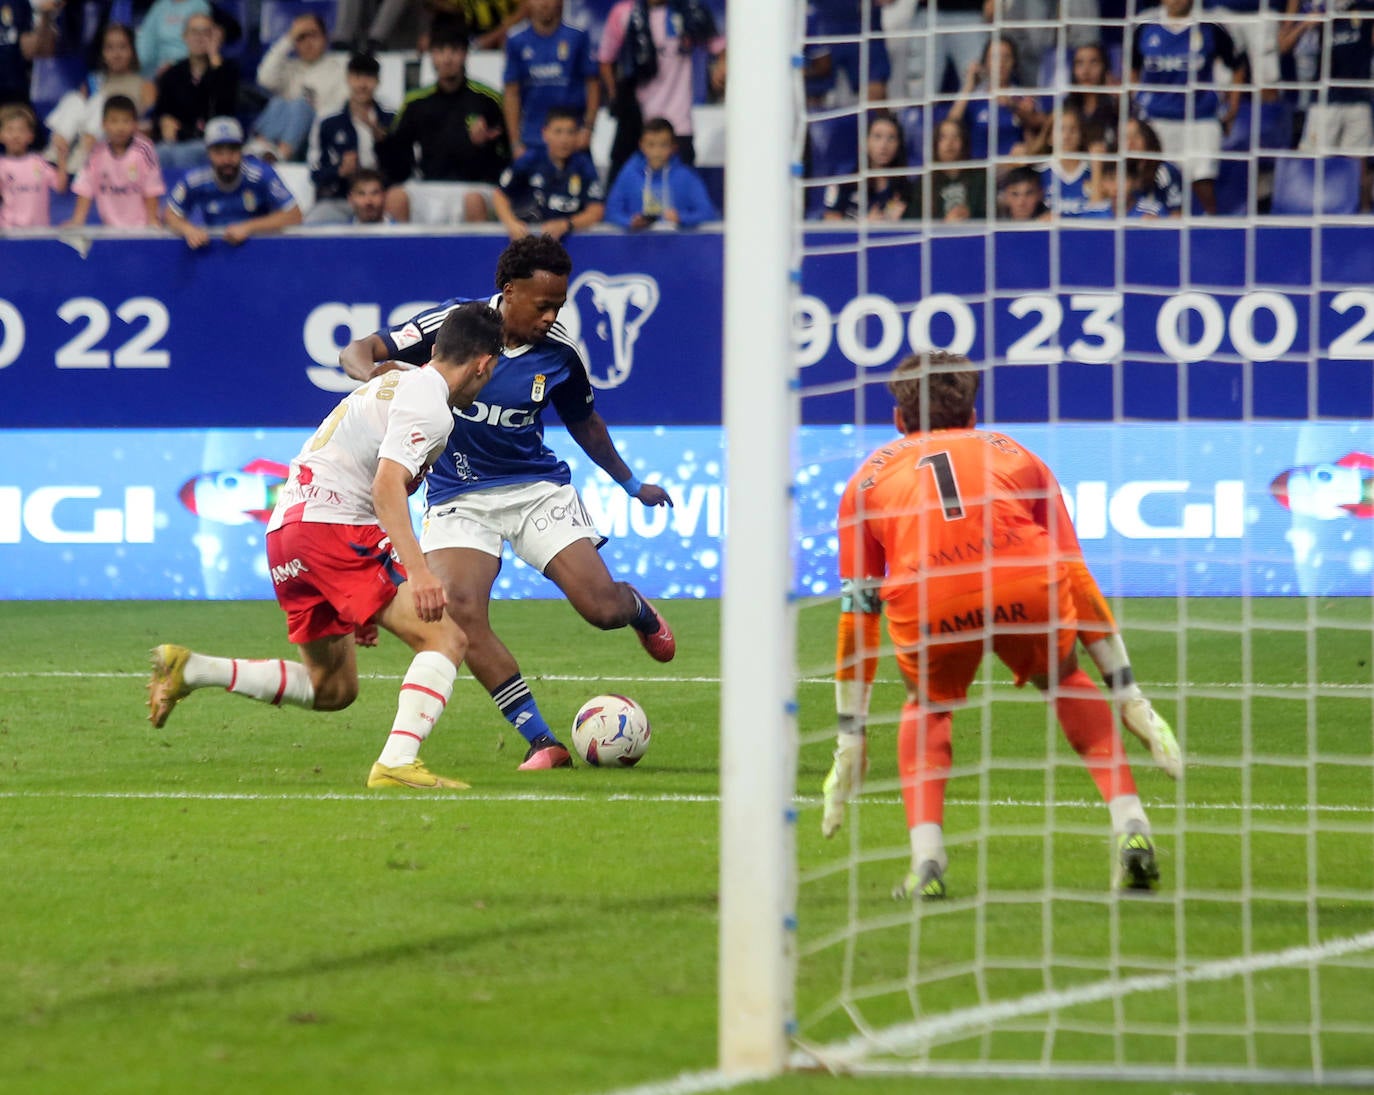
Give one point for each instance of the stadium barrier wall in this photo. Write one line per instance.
(150, 397)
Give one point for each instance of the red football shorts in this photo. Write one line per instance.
(331, 579)
(1026, 616)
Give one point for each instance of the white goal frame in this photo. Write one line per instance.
(758, 623)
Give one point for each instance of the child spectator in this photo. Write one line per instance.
(162, 38)
(79, 116)
(655, 187)
(306, 80)
(549, 64)
(553, 188)
(646, 54)
(888, 193)
(25, 177)
(952, 193)
(202, 86)
(996, 119)
(346, 142)
(1067, 176)
(1099, 107)
(1021, 196)
(241, 194)
(1154, 187)
(122, 174)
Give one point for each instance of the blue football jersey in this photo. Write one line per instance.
(1065, 193)
(1163, 194)
(1173, 59)
(550, 70)
(259, 191)
(499, 440)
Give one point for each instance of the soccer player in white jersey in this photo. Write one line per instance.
(344, 558)
(498, 483)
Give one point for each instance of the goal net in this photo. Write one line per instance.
(1144, 228)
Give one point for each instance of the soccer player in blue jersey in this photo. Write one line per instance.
(242, 195)
(553, 189)
(498, 483)
(549, 64)
(1172, 56)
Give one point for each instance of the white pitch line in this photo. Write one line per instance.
(1162, 688)
(635, 797)
(911, 1037)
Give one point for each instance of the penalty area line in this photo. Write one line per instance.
(923, 1034)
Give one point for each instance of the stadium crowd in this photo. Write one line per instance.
(979, 109)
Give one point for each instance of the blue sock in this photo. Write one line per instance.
(646, 619)
(516, 702)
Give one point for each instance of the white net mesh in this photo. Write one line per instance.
(1181, 329)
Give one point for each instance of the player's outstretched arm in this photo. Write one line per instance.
(595, 440)
(360, 356)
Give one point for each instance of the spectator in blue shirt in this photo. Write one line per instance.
(656, 188)
(548, 64)
(244, 196)
(552, 189)
(1172, 56)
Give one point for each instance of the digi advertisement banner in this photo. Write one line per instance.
(1145, 322)
(1275, 509)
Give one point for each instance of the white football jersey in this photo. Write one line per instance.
(402, 416)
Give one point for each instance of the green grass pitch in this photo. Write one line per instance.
(220, 906)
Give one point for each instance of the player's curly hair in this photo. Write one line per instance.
(935, 390)
(523, 257)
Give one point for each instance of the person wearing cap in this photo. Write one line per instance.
(238, 193)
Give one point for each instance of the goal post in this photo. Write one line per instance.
(1200, 386)
(757, 643)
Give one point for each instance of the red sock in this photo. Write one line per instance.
(1089, 727)
(923, 759)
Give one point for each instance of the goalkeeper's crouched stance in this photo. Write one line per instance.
(963, 534)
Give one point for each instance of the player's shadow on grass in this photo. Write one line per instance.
(451, 944)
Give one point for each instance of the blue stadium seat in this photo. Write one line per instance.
(1303, 186)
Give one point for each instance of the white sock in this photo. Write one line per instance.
(849, 741)
(1126, 809)
(425, 692)
(274, 681)
(928, 842)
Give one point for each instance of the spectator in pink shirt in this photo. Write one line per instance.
(121, 174)
(25, 177)
(646, 55)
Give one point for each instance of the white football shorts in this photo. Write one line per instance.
(537, 519)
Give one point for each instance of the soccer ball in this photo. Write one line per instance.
(611, 731)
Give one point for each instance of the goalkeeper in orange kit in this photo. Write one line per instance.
(963, 535)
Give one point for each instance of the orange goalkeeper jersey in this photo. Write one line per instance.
(937, 516)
